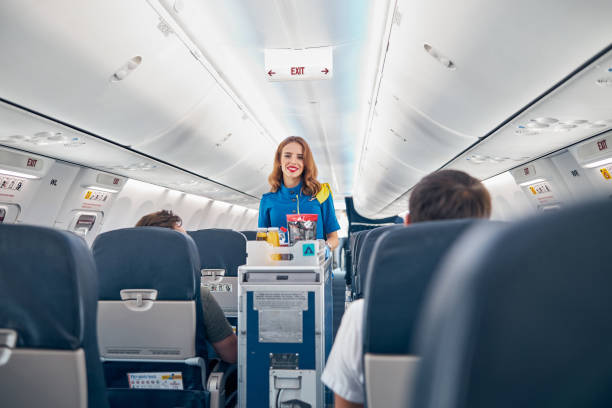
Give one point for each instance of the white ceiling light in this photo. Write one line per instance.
(598, 163)
(18, 174)
(528, 182)
(105, 189)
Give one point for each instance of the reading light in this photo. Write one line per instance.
(598, 163)
(105, 189)
(18, 174)
(526, 183)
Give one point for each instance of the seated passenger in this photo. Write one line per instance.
(446, 194)
(218, 330)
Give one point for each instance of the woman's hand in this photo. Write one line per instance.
(332, 240)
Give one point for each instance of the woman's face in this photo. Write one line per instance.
(292, 161)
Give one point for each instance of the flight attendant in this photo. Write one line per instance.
(294, 188)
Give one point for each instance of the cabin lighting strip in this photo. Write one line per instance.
(105, 189)
(526, 183)
(598, 163)
(18, 174)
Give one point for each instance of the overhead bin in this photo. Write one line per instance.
(382, 179)
(68, 56)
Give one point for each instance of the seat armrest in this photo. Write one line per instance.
(217, 383)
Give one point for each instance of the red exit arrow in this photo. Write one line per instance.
(270, 72)
(325, 71)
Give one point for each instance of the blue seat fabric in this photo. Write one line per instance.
(151, 258)
(400, 270)
(528, 308)
(249, 235)
(220, 249)
(356, 252)
(366, 251)
(48, 295)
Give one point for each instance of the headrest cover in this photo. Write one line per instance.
(145, 258)
(42, 284)
(220, 249)
(520, 316)
(401, 267)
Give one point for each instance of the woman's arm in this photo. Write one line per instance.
(332, 240)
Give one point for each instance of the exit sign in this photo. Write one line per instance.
(298, 65)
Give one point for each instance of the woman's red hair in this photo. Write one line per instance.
(310, 185)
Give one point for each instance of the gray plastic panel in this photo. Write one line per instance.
(225, 291)
(389, 379)
(44, 378)
(159, 330)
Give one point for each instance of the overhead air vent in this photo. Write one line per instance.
(442, 59)
(126, 69)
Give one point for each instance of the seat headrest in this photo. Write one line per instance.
(47, 287)
(366, 251)
(147, 258)
(220, 249)
(249, 235)
(520, 316)
(400, 269)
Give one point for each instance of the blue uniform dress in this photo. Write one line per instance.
(274, 207)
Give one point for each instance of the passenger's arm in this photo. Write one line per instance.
(332, 240)
(219, 333)
(227, 348)
(340, 402)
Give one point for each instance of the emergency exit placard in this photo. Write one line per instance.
(298, 65)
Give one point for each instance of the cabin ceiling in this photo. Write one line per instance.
(183, 81)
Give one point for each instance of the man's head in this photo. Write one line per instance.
(163, 218)
(448, 194)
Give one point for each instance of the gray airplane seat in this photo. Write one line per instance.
(48, 300)
(400, 269)
(150, 319)
(356, 253)
(221, 251)
(519, 316)
(250, 235)
(366, 251)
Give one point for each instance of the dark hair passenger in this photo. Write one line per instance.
(445, 194)
(218, 330)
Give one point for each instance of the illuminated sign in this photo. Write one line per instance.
(298, 65)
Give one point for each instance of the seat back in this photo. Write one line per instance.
(249, 235)
(366, 251)
(48, 290)
(520, 316)
(150, 318)
(356, 253)
(400, 270)
(220, 249)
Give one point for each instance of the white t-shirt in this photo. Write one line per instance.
(343, 372)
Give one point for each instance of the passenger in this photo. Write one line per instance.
(294, 189)
(446, 194)
(218, 330)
